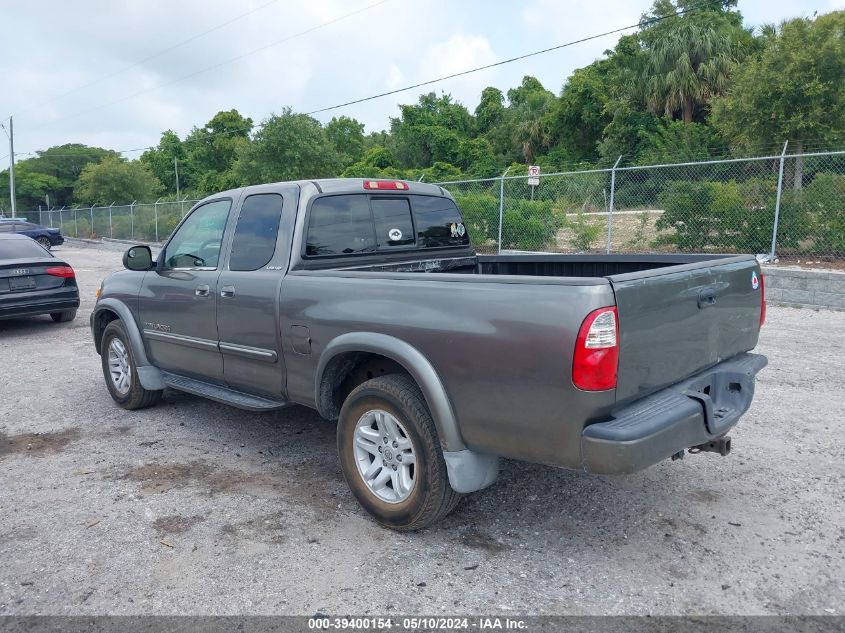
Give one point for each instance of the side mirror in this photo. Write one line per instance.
(138, 258)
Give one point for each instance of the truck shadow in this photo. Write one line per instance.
(291, 455)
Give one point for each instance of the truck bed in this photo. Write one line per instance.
(542, 265)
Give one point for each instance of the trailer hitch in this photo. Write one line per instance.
(721, 445)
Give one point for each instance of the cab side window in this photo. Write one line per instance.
(255, 234)
(196, 244)
(439, 222)
(340, 225)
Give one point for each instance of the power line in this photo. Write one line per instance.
(154, 55)
(218, 65)
(640, 24)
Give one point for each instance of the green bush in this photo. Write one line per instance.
(687, 211)
(729, 216)
(823, 201)
(584, 234)
(527, 224)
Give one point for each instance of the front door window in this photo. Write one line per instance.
(197, 242)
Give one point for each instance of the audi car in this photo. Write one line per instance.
(33, 281)
(45, 236)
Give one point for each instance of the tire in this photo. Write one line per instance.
(63, 317)
(45, 242)
(430, 497)
(131, 395)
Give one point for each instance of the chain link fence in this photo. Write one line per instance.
(789, 205)
(144, 222)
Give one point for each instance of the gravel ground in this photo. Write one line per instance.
(195, 507)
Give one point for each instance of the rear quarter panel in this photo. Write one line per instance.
(502, 348)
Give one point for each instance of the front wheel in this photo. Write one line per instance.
(120, 371)
(391, 456)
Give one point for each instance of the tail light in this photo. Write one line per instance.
(390, 185)
(61, 271)
(762, 300)
(596, 359)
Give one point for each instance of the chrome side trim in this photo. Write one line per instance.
(179, 339)
(249, 352)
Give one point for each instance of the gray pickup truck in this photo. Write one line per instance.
(364, 300)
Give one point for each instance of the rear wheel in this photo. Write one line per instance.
(45, 242)
(62, 317)
(391, 456)
(120, 371)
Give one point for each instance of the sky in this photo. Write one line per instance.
(117, 74)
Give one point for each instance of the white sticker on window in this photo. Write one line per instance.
(395, 235)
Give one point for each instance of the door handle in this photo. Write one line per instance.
(202, 290)
(227, 291)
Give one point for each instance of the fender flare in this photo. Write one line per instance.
(149, 375)
(468, 470)
(414, 363)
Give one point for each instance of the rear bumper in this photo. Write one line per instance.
(684, 415)
(11, 307)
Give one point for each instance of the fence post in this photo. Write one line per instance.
(61, 219)
(75, 221)
(50, 214)
(111, 228)
(92, 234)
(501, 206)
(610, 208)
(155, 210)
(777, 203)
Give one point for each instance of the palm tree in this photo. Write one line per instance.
(689, 60)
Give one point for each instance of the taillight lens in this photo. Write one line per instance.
(61, 271)
(390, 185)
(762, 300)
(596, 359)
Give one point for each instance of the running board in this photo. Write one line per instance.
(225, 395)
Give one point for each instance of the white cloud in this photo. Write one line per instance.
(48, 51)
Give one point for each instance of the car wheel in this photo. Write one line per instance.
(120, 371)
(63, 317)
(391, 456)
(45, 242)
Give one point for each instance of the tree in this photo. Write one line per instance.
(161, 161)
(288, 146)
(676, 141)
(116, 180)
(580, 114)
(213, 149)
(490, 110)
(430, 131)
(792, 90)
(347, 137)
(529, 115)
(61, 165)
(31, 187)
(690, 57)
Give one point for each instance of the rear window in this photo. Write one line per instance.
(255, 235)
(392, 217)
(439, 222)
(356, 223)
(21, 249)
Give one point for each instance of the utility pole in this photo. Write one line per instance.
(11, 135)
(176, 167)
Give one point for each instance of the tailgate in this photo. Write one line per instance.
(676, 321)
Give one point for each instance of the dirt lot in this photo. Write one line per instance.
(194, 507)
